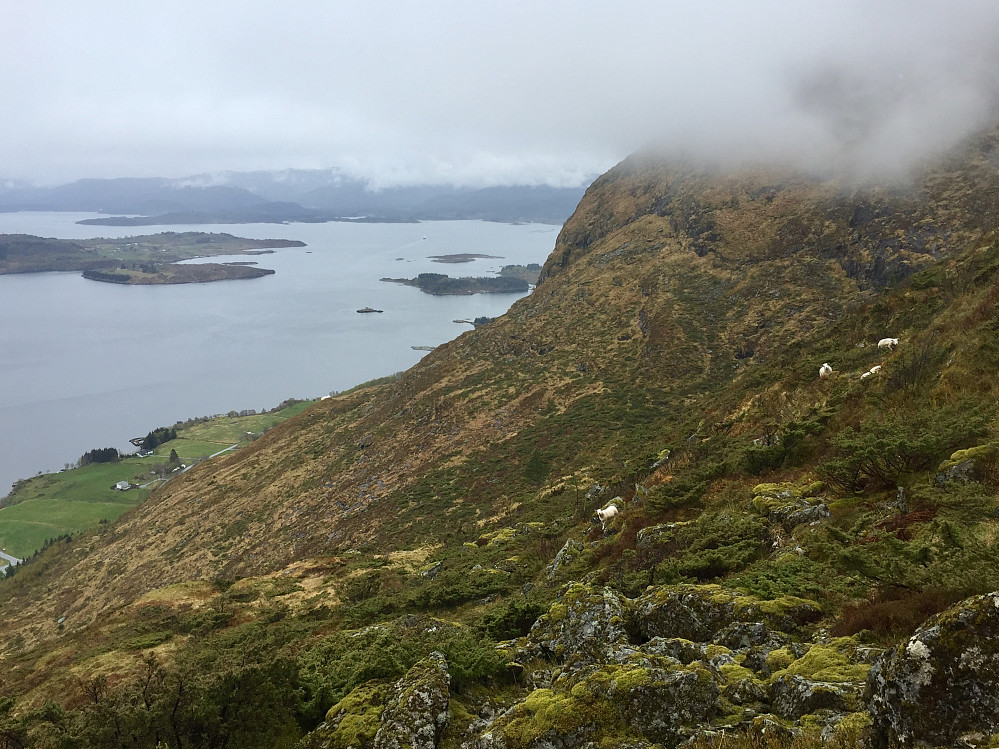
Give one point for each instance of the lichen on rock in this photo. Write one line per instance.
(580, 625)
(416, 714)
(943, 683)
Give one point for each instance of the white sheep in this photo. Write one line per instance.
(606, 514)
(825, 371)
(872, 371)
(888, 343)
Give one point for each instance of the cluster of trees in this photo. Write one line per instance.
(158, 436)
(99, 455)
(441, 284)
(107, 276)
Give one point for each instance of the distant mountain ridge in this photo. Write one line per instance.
(292, 195)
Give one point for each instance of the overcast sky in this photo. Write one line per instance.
(531, 91)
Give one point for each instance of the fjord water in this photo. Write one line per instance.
(85, 364)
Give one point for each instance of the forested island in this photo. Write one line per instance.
(512, 279)
(441, 284)
(138, 257)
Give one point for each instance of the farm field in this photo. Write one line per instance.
(53, 505)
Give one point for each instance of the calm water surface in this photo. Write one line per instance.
(86, 364)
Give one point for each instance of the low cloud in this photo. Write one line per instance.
(474, 94)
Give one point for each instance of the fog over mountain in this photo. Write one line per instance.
(477, 95)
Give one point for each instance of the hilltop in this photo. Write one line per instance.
(416, 563)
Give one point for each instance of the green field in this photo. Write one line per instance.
(226, 430)
(55, 504)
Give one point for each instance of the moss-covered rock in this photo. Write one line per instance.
(701, 612)
(793, 696)
(354, 720)
(839, 661)
(658, 534)
(746, 692)
(789, 505)
(943, 683)
(613, 705)
(967, 465)
(416, 714)
(569, 551)
(581, 625)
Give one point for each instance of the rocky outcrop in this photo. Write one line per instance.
(411, 713)
(941, 687)
(789, 505)
(678, 662)
(569, 551)
(703, 612)
(417, 713)
(968, 465)
(655, 703)
(580, 626)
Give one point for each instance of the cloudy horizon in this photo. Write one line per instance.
(521, 93)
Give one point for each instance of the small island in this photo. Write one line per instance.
(440, 284)
(462, 257)
(149, 259)
(173, 273)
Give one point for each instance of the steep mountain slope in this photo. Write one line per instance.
(667, 361)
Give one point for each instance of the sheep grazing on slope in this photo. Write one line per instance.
(872, 371)
(888, 343)
(825, 371)
(606, 514)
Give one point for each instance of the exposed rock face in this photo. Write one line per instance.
(943, 684)
(794, 696)
(416, 715)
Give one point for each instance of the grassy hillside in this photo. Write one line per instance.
(776, 531)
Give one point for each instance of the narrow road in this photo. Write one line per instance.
(188, 468)
(231, 447)
(13, 560)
